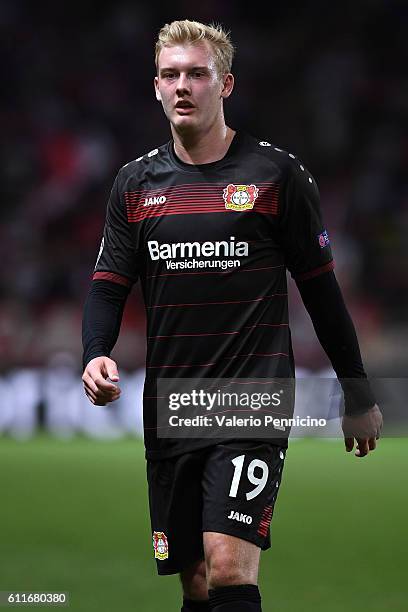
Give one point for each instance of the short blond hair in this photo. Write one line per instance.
(192, 33)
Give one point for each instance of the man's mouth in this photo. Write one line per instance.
(184, 104)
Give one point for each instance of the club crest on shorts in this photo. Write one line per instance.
(240, 197)
(160, 545)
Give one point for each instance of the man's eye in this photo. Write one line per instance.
(198, 74)
(169, 75)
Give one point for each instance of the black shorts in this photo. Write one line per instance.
(229, 488)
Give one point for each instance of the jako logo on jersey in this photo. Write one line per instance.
(240, 197)
(238, 516)
(155, 200)
(160, 545)
(197, 249)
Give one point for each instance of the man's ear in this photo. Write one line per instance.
(156, 88)
(228, 85)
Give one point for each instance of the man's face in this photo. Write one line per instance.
(189, 87)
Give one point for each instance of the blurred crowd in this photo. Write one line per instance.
(325, 81)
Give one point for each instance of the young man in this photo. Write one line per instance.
(210, 222)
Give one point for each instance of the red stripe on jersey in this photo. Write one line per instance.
(193, 199)
(132, 218)
(229, 333)
(188, 365)
(257, 355)
(115, 278)
(236, 270)
(193, 209)
(196, 365)
(267, 325)
(312, 273)
(197, 335)
(134, 199)
(224, 302)
(191, 187)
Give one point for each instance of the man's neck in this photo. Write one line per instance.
(203, 148)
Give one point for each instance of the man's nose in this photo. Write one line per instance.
(183, 83)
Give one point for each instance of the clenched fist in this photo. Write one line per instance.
(97, 388)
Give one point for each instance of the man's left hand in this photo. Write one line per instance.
(364, 428)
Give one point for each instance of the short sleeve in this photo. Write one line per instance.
(116, 260)
(302, 234)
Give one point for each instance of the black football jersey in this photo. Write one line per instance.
(211, 244)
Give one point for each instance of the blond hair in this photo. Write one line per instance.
(192, 33)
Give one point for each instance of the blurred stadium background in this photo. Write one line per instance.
(325, 81)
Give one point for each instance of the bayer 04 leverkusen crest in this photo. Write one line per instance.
(240, 197)
(160, 545)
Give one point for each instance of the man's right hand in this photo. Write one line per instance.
(99, 390)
